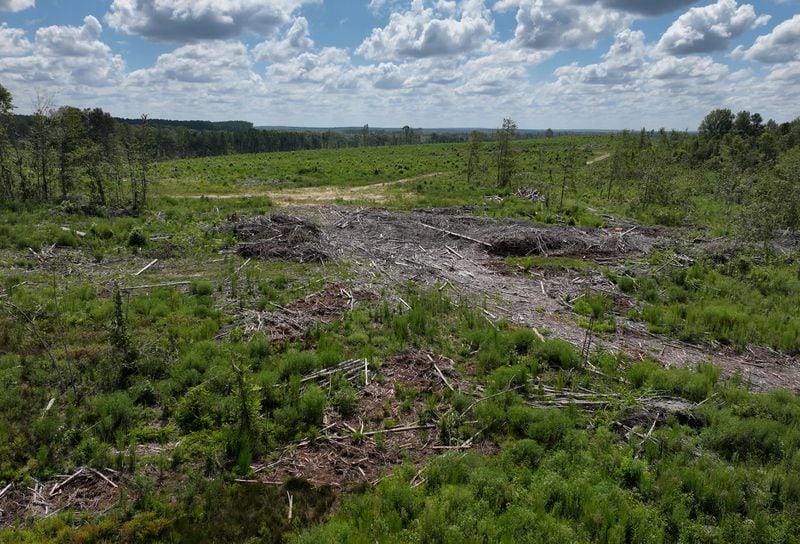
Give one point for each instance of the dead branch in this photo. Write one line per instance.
(155, 285)
(148, 265)
(457, 235)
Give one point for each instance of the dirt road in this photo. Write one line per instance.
(326, 194)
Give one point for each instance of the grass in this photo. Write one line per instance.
(737, 303)
(175, 366)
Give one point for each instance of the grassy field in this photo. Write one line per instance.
(158, 386)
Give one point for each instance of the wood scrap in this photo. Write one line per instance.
(151, 263)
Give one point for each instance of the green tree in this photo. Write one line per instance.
(716, 124)
(42, 146)
(7, 188)
(504, 154)
(474, 150)
(72, 149)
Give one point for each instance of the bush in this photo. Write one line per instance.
(201, 288)
(558, 353)
(115, 413)
(137, 239)
(312, 405)
(197, 409)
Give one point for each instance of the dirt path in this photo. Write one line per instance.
(390, 248)
(327, 194)
(598, 159)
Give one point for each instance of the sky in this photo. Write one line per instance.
(561, 64)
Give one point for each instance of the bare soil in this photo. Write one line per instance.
(349, 449)
(286, 323)
(85, 490)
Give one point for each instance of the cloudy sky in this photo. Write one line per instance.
(424, 63)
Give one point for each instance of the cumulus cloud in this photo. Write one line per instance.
(427, 32)
(13, 41)
(16, 5)
(780, 45)
(297, 39)
(223, 62)
(563, 24)
(696, 70)
(193, 20)
(620, 65)
(328, 66)
(66, 56)
(789, 72)
(710, 28)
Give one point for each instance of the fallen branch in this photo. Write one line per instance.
(450, 387)
(153, 286)
(244, 264)
(103, 476)
(151, 263)
(65, 482)
(457, 235)
(454, 252)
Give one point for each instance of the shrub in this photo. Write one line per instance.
(115, 412)
(136, 239)
(201, 288)
(312, 405)
(558, 353)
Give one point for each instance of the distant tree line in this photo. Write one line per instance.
(190, 139)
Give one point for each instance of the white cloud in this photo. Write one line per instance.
(620, 64)
(427, 32)
(563, 24)
(13, 41)
(328, 66)
(780, 45)
(297, 39)
(636, 85)
(16, 5)
(192, 20)
(211, 62)
(710, 28)
(789, 72)
(66, 57)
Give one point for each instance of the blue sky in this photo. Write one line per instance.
(434, 63)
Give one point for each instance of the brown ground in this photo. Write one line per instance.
(86, 489)
(348, 450)
(375, 192)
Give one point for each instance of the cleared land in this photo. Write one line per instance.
(340, 350)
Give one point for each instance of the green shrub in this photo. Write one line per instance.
(312, 406)
(558, 353)
(201, 288)
(137, 239)
(115, 412)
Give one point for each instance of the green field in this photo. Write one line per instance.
(166, 378)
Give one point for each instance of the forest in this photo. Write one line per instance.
(572, 338)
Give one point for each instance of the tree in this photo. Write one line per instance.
(474, 148)
(42, 145)
(71, 140)
(365, 135)
(408, 134)
(145, 157)
(6, 174)
(716, 124)
(504, 154)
